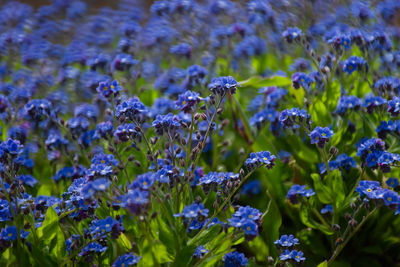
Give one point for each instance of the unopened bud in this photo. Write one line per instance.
(336, 227)
(333, 151)
(183, 141)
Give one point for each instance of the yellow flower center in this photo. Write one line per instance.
(369, 190)
(103, 161)
(183, 102)
(105, 88)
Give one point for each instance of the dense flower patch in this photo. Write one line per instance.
(200, 133)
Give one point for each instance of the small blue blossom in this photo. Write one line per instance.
(187, 101)
(327, 209)
(258, 159)
(92, 247)
(109, 88)
(287, 241)
(297, 255)
(393, 106)
(233, 259)
(292, 34)
(200, 252)
(223, 85)
(169, 123)
(354, 63)
(300, 79)
(321, 136)
(392, 182)
(128, 259)
(285, 255)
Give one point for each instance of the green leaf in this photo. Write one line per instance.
(331, 96)
(124, 242)
(206, 236)
(166, 235)
(337, 187)
(323, 264)
(258, 81)
(48, 230)
(319, 113)
(322, 191)
(272, 221)
(307, 219)
(59, 248)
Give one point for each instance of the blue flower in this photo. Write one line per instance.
(392, 182)
(200, 252)
(327, 209)
(126, 260)
(296, 190)
(104, 129)
(321, 136)
(101, 184)
(9, 233)
(248, 213)
(223, 85)
(293, 117)
(131, 109)
(340, 41)
(193, 211)
(393, 106)
(285, 255)
(101, 158)
(368, 188)
(251, 188)
(11, 146)
(292, 34)
(287, 241)
(347, 103)
(92, 247)
(390, 197)
(371, 102)
(27, 179)
(187, 101)
(258, 159)
(250, 228)
(297, 255)
(105, 225)
(126, 131)
(109, 88)
(169, 123)
(387, 86)
(234, 259)
(354, 63)
(300, 79)
(144, 181)
(182, 49)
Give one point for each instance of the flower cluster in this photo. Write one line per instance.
(373, 190)
(320, 136)
(298, 190)
(372, 153)
(286, 242)
(248, 219)
(294, 117)
(259, 159)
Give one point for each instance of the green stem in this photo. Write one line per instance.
(224, 203)
(203, 143)
(341, 246)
